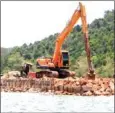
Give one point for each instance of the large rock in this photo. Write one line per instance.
(97, 93)
(83, 81)
(86, 88)
(77, 89)
(88, 93)
(14, 73)
(111, 84)
(11, 75)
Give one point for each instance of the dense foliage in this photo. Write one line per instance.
(4, 52)
(101, 36)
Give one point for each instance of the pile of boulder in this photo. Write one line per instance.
(85, 87)
(67, 86)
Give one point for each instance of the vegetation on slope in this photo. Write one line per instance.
(4, 53)
(101, 36)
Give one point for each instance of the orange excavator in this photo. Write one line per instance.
(58, 65)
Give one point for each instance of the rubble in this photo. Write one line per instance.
(67, 86)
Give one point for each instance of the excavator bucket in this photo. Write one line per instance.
(91, 75)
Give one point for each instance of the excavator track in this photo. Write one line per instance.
(47, 73)
(66, 73)
(55, 74)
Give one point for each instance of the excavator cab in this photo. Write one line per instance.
(65, 59)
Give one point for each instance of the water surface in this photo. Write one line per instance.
(40, 102)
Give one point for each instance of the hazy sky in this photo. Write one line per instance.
(30, 21)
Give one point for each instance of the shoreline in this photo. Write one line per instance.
(53, 94)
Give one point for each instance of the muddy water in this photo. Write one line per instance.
(40, 102)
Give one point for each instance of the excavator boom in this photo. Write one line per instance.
(63, 35)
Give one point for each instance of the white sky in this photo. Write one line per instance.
(30, 21)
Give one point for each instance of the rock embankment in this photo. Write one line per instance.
(68, 86)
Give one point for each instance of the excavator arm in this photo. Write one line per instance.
(86, 39)
(79, 12)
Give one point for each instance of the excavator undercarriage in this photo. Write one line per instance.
(59, 73)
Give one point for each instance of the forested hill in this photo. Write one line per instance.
(101, 35)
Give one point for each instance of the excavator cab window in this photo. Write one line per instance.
(65, 58)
